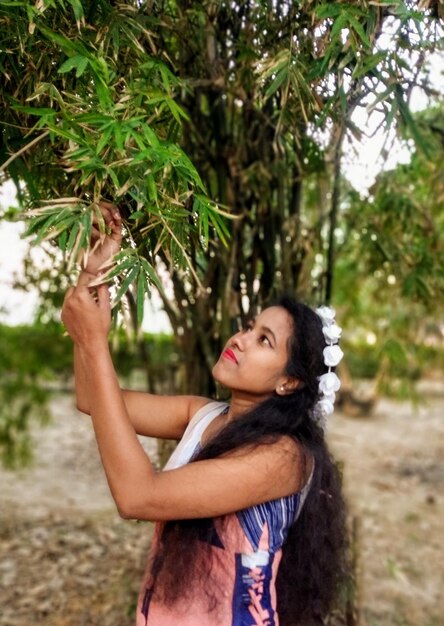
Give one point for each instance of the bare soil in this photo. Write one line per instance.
(67, 559)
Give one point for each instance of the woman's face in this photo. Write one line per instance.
(254, 359)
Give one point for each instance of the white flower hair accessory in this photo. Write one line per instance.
(329, 383)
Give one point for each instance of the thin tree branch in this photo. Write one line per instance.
(22, 150)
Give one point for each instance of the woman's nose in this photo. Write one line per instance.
(238, 341)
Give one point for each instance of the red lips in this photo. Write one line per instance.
(229, 354)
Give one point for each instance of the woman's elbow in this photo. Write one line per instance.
(133, 509)
(124, 513)
(83, 408)
(128, 510)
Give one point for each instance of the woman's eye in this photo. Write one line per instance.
(264, 339)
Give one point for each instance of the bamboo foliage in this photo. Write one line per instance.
(188, 113)
(107, 134)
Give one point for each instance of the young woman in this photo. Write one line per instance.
(250, 517)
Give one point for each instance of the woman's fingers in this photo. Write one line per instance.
(109, 211)
(111, 220)
(104, 298)
(86, 313)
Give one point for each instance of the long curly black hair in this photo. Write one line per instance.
(314, 564)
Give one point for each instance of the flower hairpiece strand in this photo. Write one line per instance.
(329, 383)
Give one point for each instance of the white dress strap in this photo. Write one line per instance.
(193, 432)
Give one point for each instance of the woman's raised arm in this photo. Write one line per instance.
(201, 489)
(151, 415)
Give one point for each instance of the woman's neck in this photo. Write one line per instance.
(242, 403)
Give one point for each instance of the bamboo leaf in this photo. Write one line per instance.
(327, 10)
(410, 123)
(358, 28)
(63, 238)
(39, 111)
(118, 136)
(150, 136)
(125, 284)
(72, 236)
(78, 11)
(104, 139)
(151, 187)
(81, 66)
(177, 112)
(77, 62)
(76, 247)
(370, 62)
(142, 287)
(59, 221)
(280, 77)
(68, 46)
(151, 274)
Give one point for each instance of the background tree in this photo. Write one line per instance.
(390, 278)
(259, 94)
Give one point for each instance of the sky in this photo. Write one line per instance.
(16, 306)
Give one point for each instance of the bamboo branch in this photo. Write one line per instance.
(22, 150)
(333, 215)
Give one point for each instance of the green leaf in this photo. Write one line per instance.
(150, 135)
(151, 187)
(77, 9)
(177, 112)
(103, 92)
(151, 274)
(327, 10)
(62, 240)
(136, 215)
(94, 118)
(69, 47)
(56, 220)
(77, 62)
(81, 67)
(72, 236)
(35, 110)
(410, 123)
(280, 77)
(118, 136)
(370, 62)
(104, 139)
(142, 288)
(126, 283)
(395, 352)
(59, 131)
(358, 28)
(340, 23)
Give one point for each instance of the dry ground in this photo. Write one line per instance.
(66, 559)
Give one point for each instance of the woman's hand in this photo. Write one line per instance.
(86, 314)
(104, 245)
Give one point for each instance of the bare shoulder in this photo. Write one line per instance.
(196, 403)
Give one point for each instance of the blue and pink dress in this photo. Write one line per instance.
(247, 548)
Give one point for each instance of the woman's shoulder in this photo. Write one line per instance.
(203, 407)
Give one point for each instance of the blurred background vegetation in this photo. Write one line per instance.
(224, 131)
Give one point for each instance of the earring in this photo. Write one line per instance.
(282, 388)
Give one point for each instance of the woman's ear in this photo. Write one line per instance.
(287, 386)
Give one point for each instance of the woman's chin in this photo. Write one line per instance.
(220, 376)
(217, 373)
